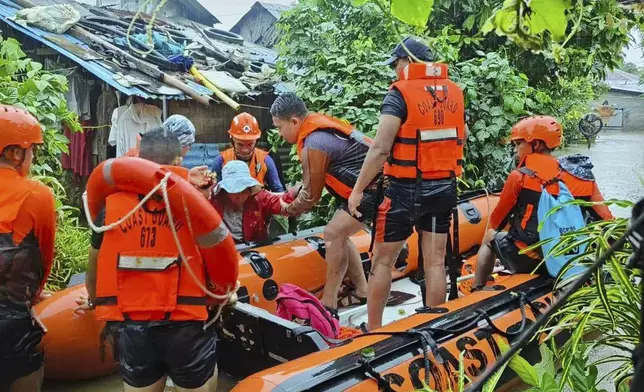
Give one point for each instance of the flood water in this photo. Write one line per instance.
(619, 168)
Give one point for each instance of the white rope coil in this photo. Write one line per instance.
(163, 186)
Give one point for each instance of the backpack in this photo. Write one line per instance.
(302, 307)
(564, 220)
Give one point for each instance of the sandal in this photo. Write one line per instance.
(352, 297)
(398, 298)
(334, 312)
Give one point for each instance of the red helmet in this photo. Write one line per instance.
(544, 128)
(18, 128)
(244, 127)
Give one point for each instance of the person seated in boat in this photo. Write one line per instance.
(331, 152)
(27, 231)
(180, 126)
(244, 206)
(534, 139)
(151, 344)
(244, 133)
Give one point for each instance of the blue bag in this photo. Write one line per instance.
(566, 219)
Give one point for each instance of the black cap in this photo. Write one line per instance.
(421, 51)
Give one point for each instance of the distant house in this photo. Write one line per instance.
(187, 9)
(258, 25)
(626, 96)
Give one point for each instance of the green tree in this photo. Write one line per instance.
(329, 49)
(25, 84)
(631, 68)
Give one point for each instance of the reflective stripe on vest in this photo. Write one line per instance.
(139, 274)
(152, 263)
(214, 238)
(429, 144)
(256, 165)
(317, 121)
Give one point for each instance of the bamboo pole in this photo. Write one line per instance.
(220, 94)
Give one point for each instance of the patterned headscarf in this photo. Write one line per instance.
(182, 128)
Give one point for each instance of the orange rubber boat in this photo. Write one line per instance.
(73, 342)
(423, 348)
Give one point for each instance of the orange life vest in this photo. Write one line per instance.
(341, 183)
(257, 164)
(541, 170)
(140, 275)
(429, 144)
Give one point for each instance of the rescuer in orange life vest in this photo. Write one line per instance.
(152, 342)
(534, 139)
(27, 231)
(419, 141)
(331, 152)
(244, 133)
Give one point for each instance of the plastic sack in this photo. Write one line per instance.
(53, 18)
(225, 82)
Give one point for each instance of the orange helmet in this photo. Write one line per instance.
(544, 128)
(244, 127)
(18, 127)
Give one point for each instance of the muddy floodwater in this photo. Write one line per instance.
(619, 168)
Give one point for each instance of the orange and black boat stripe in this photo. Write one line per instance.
(346, 371)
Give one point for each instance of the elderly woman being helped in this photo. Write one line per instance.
(244, 206)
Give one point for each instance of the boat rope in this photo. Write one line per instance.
(383, 385)
(427, 343)
(163, 186)
(497, 330)
(637, 224)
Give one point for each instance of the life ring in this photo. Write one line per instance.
(129, 174)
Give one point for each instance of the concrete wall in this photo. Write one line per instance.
(633, 105)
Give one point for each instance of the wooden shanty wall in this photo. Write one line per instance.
(212, 122)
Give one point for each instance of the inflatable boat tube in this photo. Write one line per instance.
(421, 348)
(73, 341)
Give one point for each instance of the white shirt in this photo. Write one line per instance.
(128, 121)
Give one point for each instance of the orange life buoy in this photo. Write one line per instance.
(129, 174)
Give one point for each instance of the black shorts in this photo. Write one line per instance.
(508, 253)
(404, 208)
(20, 354)
(147, 351)
(367, 207)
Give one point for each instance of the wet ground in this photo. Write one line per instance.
(619, 168)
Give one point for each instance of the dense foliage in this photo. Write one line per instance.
(609, 306)
(330, 50)
(24, 83)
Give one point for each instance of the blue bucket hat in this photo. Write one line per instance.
(235, 178)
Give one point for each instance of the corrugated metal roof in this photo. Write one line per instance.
(198, 7)
(275, 9)
(624, 81)
(108, 72)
